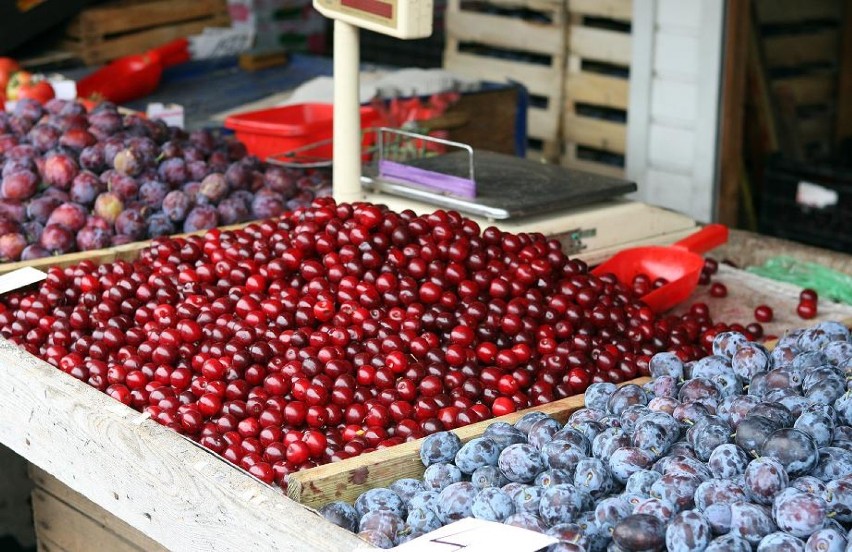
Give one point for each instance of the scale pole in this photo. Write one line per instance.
(346, 178)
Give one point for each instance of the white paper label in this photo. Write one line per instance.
(171, 114)
(814, 195)
(64, 89)
(20, 278)
(476, 535)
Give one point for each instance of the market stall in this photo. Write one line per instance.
(212, 344)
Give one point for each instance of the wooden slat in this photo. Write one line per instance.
(613, 9)
(596, 89)
(506, 32)
(808, 89)
(123, 17)
(599, 44)
(46, 545)
(99, 51)
(349, 478)
(535, 5)
(55, 490)
(595, 133)
(801, 49)
(775, 12)
(542, 80)
(71, 530)
(543, 124)
(101, 448)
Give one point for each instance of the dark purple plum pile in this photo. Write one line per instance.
(74, 180)
(742, 450)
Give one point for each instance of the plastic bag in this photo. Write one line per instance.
(830, 284)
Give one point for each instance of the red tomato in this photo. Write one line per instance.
(8, 66)
(40, 91)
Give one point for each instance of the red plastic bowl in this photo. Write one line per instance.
(278, 130)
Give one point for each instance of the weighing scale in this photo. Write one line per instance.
(583, 210)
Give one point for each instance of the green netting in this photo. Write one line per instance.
(830, 284)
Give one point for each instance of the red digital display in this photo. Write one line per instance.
(375, 7)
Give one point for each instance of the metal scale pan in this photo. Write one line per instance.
(482, 183)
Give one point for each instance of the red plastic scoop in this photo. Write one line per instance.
(679, 263)
(132, 77)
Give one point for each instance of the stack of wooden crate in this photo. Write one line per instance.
(572, 55)
(118, 28)
(514, 40)
(596, 85)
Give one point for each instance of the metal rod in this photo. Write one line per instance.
(346, 178)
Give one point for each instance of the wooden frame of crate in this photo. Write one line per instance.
(108, 31)
(481, 45)
(594, 126)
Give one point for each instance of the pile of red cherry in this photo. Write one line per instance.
(338, 329)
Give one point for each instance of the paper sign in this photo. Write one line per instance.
(814, 195)
(20, 278)
(64, 89)
(476, 535)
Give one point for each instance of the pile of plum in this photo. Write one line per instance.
(73, 180)
(744, 449)
(339, 328)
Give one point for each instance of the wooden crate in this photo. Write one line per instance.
(108, 31)
(499, 45)
(347, 479)
(799, 47)
(596, 84)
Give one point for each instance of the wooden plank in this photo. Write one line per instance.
(535, 5)
(613, 9)
(737, 25)
(55, 490)
(843, 129)
(776, 12)
(808, 89)
(147, 475)
(597, 89)
(71, 530)
(801, 49)
(542, 80)
(122, 17)
(599, 44)
(94, 52)
(46, 545)
(347, 479)
(543, 124)
(506, 32)
(595, 133)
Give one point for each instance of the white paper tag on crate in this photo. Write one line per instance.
(171, 114)
(476, 535)
(20, 278)
(814, 195)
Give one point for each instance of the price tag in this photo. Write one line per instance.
(476, 535)
(20, 278)
(814, 195)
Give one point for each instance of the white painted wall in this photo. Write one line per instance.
(675, 88)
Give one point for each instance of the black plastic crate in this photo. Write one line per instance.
(810, 204)
(425, 52)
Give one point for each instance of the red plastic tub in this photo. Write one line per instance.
(283, 129)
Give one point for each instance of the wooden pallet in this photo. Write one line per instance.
(596, 86)
(108, 31)
(482, 46)
(799, 46)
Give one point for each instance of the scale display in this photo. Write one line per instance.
(400, 18)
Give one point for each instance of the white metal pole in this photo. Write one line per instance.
(346, 178)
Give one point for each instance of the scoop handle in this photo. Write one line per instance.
(712, 235)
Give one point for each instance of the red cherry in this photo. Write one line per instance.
(718, 290)
(807, 310)
(808, 294)
(763, 314)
